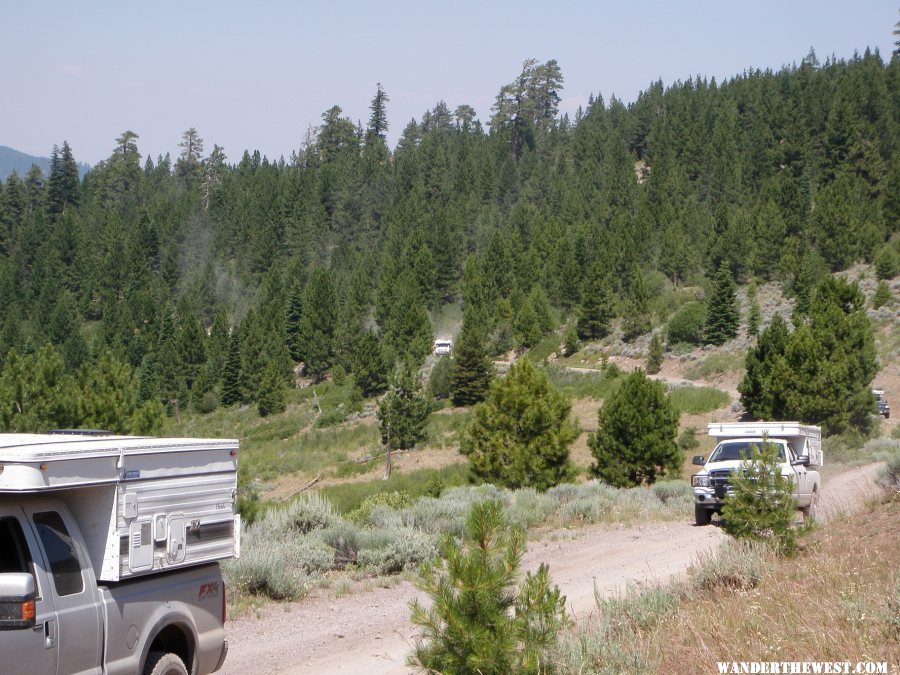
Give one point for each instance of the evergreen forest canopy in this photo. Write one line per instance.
(207, 282)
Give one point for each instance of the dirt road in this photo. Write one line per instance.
(368, 631)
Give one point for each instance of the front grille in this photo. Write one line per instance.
(719, 481)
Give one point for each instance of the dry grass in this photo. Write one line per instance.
(839, 600)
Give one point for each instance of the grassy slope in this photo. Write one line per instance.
(838, 600)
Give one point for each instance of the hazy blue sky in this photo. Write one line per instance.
(256, 75)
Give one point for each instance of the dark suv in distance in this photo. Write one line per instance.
(881, 402)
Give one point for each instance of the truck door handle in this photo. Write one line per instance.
(49, 633)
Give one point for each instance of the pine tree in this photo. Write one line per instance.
(318, 324)
(654, 355)
(370, 368)
(378, 122)
(521, 432)
(882, 295)
(271, 397)
(231, 373)
(762, 506)
(635, 440)
(722, 315)
(472, 370)
(440, 383)
(478, 623)
(636, 316)
(596, 310)
(403, 412)
(753, 314)
(758, 394)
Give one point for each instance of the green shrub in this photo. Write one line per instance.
(687, 440)
(207, 403)
(348, 496)
(395, 499)
(687, 324)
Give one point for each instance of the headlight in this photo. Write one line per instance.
(700, 480)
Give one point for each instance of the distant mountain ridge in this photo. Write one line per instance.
(20, 162)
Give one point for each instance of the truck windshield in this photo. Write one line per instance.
(731, 450)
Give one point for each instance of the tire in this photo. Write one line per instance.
(164, 663)
(811, 512)
(702, 516)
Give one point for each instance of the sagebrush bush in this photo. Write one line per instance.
(738, 564)
(301, 516)
(673, 490)
(889, 474)
(263, 570)
(394, 550)
(283, 568)
(607, 643)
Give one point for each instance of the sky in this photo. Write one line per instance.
(256, 75)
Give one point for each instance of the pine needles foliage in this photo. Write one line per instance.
(762, 506)
(478, 621)
(521, 433)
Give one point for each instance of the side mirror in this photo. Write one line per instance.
(803, 460)
(16, 601)
(699, 460)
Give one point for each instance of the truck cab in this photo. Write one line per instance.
(799, 453)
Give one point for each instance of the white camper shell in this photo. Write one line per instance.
(805, 439)
(143, 505)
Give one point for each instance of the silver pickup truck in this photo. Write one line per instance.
(56, 618)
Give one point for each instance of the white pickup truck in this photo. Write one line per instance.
(108, 550)
(799, 452)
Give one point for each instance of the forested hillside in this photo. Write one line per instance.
(205, 280)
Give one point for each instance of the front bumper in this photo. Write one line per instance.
(710, 498)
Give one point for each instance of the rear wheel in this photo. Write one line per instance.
(164, 663)
(702, 516)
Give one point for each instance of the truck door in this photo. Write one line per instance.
(29, 650)
(79, 635)
(803, 486)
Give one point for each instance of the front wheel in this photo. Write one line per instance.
(702, 516)
(811, 512)
(164, 663)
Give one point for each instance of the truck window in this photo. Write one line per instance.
(64, 565)
(733, 450)
(14, 554)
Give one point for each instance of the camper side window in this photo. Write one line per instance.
(64, 564)
(14, 554)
